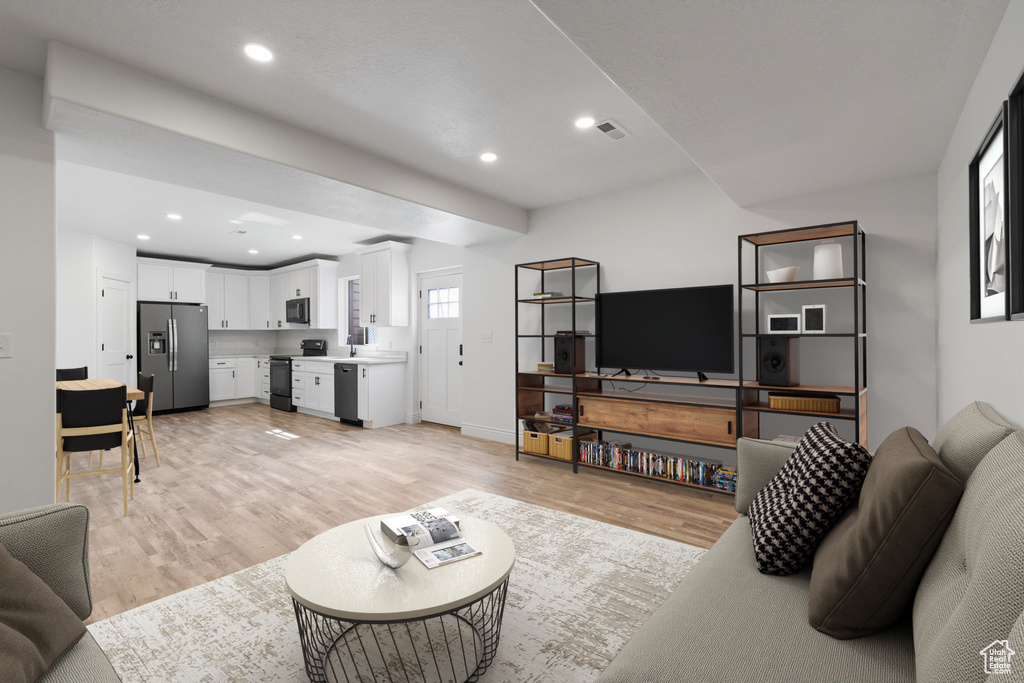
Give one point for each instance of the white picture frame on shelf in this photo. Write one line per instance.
(814, 320)
(784, 323)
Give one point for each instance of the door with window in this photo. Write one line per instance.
(441, 355)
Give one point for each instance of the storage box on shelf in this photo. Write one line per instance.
(850, 235)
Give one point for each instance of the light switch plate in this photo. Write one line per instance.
(6, 345)
(486, 338)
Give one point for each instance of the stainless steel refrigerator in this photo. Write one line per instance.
(174, 347)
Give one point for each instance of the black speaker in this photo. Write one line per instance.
(778, 361)
(563, 349)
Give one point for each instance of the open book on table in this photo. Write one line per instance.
(433, 535)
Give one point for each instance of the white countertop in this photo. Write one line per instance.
(359, 360)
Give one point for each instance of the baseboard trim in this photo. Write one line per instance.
(490, 433)
(232, 402)
(413, 418)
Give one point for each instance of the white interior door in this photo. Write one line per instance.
(115, 327)
(441, 358)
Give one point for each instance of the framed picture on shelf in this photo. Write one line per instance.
(989, 218)
(1015, 194)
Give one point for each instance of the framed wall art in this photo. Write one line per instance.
(1015, 195)
(988, 221)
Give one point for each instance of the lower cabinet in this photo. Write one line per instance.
(381, 394)
(232, 378)
(262, 378)
(313, 386)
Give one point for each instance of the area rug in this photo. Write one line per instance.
(579, 591)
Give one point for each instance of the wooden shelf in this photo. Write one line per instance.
(677, 399)
(558, 264)
(546, 390)
(803, 284)
(544, 374)
(546, 457)
(807, 388)
(812, 335)
(762, 407)
(813, 232)
(547, 420)
(724, 383)
(668, 481)
(649, 435)
(558, 300)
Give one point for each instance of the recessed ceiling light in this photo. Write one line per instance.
(258, 52)
(142, 237)
(488, 157)
(236, 222)
(296, 237)
(254, 251)
(585, 122)
(174, 216)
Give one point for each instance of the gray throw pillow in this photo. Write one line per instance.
(36, 626)
(867, 568)
(796, 509)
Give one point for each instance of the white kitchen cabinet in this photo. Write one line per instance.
(381, 394)
(263, 378)
(174, 281)
(259, 302)
(316, 280)
(313, 386)
(245, 378)
(384, 285)
(227, 295)
(222, 379)
(278, 289)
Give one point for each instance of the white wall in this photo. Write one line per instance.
(682, 232)
(980, 361)
(27, 295)
(81, 261)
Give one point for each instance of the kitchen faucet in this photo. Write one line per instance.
(352, 350)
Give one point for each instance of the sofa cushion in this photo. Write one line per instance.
(726, 622)
(972, 592)
(799, 505)
(36, 626)
(968, 436)
(867, 567)
(83, 662)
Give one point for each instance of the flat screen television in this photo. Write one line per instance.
(689, 329)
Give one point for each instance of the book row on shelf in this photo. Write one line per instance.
(622, 456)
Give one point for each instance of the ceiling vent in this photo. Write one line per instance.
(612, 129)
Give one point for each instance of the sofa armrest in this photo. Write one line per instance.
(757, 462)
(53, 541)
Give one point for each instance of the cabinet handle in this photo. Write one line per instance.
(170, 294)
(579, 412)
(364, 372)
(268, 323)
(728, 429)
(232, 374)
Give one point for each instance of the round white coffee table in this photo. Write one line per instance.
(361, 621)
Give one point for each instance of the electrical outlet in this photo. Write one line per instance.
(216, 343)
(486, 337)
(6, 344)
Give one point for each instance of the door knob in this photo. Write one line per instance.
(129, 357)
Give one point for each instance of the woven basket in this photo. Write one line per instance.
(809, 403)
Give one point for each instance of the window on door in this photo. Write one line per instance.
(348, 316)
(443, 302)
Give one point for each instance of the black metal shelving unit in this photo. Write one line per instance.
(851, 232)
(533, 395)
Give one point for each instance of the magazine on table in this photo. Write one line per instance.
(433, 535)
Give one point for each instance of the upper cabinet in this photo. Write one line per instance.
(259, 303)
(384, 285)
(316, 280)
(173, 281)
(227, 293)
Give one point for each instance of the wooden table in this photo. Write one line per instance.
(132, 394)
(89, 384)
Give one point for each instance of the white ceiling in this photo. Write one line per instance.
(789, 97)
(770, 99)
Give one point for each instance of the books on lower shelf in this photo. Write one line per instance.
(620, 455)
(562, 413)
(434, 536)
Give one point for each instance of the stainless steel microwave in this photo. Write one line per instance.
(297, 311)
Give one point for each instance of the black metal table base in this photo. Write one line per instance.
(451, 647)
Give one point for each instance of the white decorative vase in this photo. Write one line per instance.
(828, 261)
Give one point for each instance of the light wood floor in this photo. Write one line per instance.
(231, 494)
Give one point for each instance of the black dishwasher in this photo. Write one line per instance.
(346, 392)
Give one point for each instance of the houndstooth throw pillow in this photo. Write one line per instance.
(794, 511)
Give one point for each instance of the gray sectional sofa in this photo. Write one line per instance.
(727, 622)
(53, 541)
